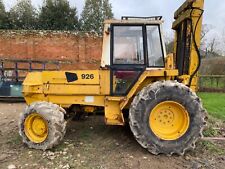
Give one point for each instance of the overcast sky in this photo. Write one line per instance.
(214, 10)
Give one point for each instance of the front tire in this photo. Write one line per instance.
(42, 126)
(167, 118)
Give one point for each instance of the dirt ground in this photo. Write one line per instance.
(92, 144)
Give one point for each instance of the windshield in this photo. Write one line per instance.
(128, 45)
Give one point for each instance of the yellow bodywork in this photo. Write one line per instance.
(53, 87)
(195, 14)
(92, 92)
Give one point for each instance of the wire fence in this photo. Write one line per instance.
(212, 83)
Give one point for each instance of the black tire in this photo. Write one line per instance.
(54, 116)
(156, 93)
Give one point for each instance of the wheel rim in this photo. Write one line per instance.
(36, 128)
(169, 120)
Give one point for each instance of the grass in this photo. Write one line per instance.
(211, 147)
(210, 132)
(214, 103)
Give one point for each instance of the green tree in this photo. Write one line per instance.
(58, 15)
(23, 15)
(107, 10)
(94, 14)
(4, 24)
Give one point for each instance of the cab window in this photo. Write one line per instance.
(155, 51)
(128, 45)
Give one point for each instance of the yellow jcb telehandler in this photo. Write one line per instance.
(136, 77)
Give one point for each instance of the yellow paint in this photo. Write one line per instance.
(184, 16)
(145, 79)
(30, 98)
(34, 79)
(89, 109)
(118, 99)
(67, 94)
(113, 113)
(36, 128)
(183, 7)
(169, 62)
(79, 100)
(52, 86)
(67, 89)
(58, 77)
(181, 15)
(104, 82)
(194, 85)
(169, 120)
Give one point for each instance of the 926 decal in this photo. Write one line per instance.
(87, 76)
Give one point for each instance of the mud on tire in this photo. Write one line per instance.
(151, 96)
(54, 116)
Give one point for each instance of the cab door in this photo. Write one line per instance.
(128, 59)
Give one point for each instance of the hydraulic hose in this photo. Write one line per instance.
(193, 31)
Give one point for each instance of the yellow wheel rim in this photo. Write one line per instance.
(169, 120)
(36, 128)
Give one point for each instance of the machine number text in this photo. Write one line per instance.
(87, 76)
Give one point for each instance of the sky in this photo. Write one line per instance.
(214, 11)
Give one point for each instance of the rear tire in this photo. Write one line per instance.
(40, 115)
(182, 106)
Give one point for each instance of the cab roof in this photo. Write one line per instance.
(136, 20)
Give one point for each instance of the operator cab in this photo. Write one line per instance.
(134, 44)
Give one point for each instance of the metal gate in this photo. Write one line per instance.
(13, 72)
